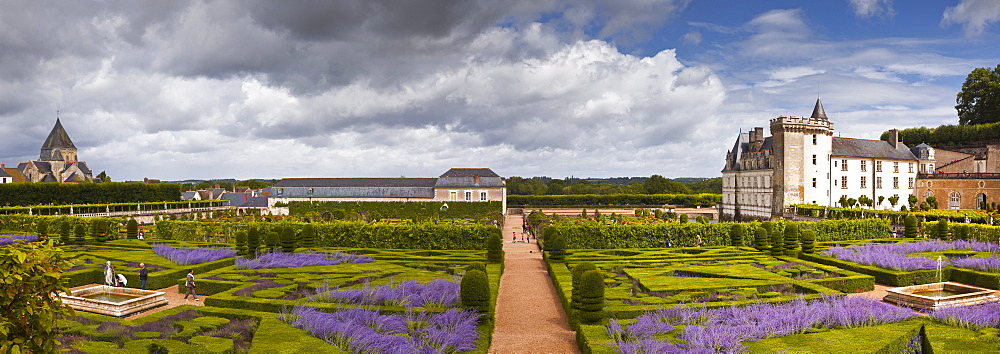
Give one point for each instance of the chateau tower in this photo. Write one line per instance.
(802, 150)
(58, 146)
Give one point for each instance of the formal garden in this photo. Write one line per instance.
(766, 287)
(400, 280)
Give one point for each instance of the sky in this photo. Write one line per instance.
(177, 90)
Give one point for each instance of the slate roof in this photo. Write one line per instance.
(58, 138)
(4, 173)
(743, 145)
(356, 182)
(818, 111)
(188, 195)
(850, 147)
(470, 172)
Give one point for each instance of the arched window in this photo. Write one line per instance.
(954, 200)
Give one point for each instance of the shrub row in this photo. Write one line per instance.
(948, 134)
(399, 210)
(974, 216)
(633, 200)
(87, 193)
(103, 208)
(349, 234)
(598, 235)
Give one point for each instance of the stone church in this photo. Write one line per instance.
(57, 161)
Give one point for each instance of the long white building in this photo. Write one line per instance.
(803, 163)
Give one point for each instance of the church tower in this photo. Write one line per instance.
(58, 146)
(802, 149)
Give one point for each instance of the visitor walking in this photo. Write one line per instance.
(143, 275)
(189, 282)
(667, 243)
(697, 241)
(513, 237)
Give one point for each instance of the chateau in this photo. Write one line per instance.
(803, 163)
(56, 163)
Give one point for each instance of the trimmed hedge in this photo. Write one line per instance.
(475, 290)
(20, 194)
(897, 217)
(884, 276)
(351, 234)
(591, 235)
(591, 200)
(400, 210)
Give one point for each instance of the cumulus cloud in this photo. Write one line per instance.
(873, 8)
(974, 15)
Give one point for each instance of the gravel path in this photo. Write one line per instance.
(529, 316)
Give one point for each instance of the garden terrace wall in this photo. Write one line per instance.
(354, 234)
(630, 200)
(29, 223)
(21, 194)
(103, 208)
(592, 235)
(423, 211)
(974, 216)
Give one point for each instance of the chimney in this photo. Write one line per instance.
(2, 166)
(759, 133)
(476, 178)
(893, 138)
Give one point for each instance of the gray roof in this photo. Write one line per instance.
(818, 111)
(470, 172)
(4, 173)
(188, 195)
(277, 191)
(356, 182)
(849, 147)
(58, 138)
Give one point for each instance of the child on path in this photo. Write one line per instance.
(189, 282)
(513, 238)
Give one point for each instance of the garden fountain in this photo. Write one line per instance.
(113, 301)
(939, 295)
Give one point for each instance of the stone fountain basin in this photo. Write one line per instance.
(113, 301)
(939, 295)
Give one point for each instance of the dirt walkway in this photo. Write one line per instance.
(529, 316)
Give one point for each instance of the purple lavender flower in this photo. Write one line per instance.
(367, 331)
(988, 264)
(290, 260)
(7, 239)
(410, 294)
(974, 317)
(194, 255)
(894, 256)
(725, 329)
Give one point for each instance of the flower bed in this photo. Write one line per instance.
(440, 292)
(290, 260)
(894, 256)
(193, 255)
(724, 329)
(6, 239)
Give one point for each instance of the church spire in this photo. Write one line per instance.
(818, 111)
(58, 146)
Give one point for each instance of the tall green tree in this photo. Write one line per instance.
(29, 306)
(979, 100)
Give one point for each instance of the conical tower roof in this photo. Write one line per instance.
(818, 111)
(58, 139)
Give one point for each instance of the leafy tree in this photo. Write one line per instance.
(494, 248)
(808, 241)
(932, 202)
(893, 200)
(583, 213)
(979, 100)
(761, 239)
(29, 307)
(577, 291)
(43, 229)
(791, 238)
(711, 185)
(657, 184)
(80, 234)
(253, 241)
(103, 176)
(941, 229)
(474, 291)
(254, 184)
(308, 236)
(288, 239)
(132, 229)
(241, 243)
(684, 218)
(592, 297)
(910, 226)
(912, 200)
(736, 235)
(776, 243)
(64, 230)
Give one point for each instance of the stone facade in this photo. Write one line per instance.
(57, 161)
(803, 163)
(959, 190)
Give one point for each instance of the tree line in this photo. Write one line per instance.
(654, 184)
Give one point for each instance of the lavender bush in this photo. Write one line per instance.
(7, 239)
(194, 255)
(409, 294)
(989, 264)
(724, 330)
(974, 317)
(290, 260)
(367, 331)
(894, 256)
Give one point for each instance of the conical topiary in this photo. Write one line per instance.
(910, 226)
(808, 241)
(791, 238)
(592, 297)
(577, 272)
(736, 235)
(761, 239)
(494, 248)
(777, 243)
